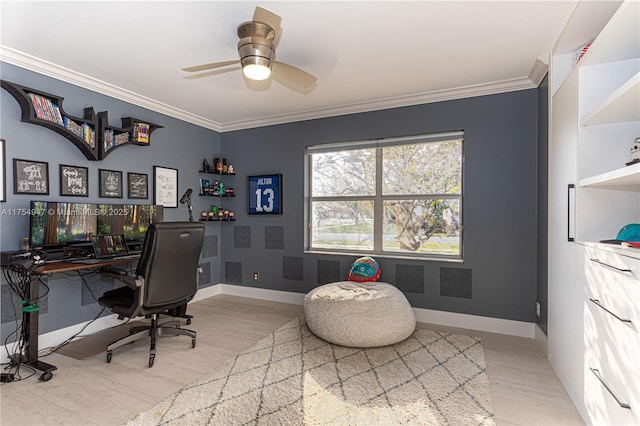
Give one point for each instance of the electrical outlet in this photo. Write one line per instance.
(538, 309)
(256, 276)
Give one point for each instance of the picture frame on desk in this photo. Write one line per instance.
(74, 181)
(30, 177)
(165, 186)
(3, 173)
(138, 186)
(110, 183)
(265, 194)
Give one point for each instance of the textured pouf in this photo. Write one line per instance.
(360, 315)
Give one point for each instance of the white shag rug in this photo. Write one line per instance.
(293, 377)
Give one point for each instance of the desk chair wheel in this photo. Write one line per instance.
(109, 356)
(152, 358)
(45, 377)
(193, 342)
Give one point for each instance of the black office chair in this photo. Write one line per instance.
(166, 278)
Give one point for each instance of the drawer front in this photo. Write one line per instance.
(613, 281)
(612, 368)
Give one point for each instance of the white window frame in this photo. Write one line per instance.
(378, 198)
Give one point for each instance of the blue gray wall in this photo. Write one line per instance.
(179, 145)
(498, 275)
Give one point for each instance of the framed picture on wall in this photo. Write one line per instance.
(165, 186)
(138, 186)
(30, 177)
(3, 173)
(110, 183)
(265, 194)
(74, 181)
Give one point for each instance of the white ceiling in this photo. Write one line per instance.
(366, 54)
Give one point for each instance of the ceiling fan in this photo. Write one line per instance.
(257, 51)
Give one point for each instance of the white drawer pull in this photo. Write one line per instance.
(610, 266)
(600, 305)
(620, 403)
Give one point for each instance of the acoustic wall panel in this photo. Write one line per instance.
(233, 272)
(329, 271)
(205, 276)
(242, 236)
(455, 282)
(210, 247)
(292, 268)
(410, 278)
(274, 237)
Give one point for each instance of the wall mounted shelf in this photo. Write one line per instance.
(91, 134)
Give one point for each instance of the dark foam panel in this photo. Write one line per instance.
(274, 237)
(455, 282)
(210, 247)
(410, 278)
(99, 285)
(329, 271)
(205, 276)
(233, 272)
(292, 268)
(242, 236)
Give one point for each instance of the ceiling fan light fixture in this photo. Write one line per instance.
(256, 71)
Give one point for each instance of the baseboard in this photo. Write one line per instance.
(541, 339)
(450, 319)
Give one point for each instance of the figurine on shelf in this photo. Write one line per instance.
(219, 164)
(220, 214)
(635, 153)
(214, 210)
(226, 215)
(203, 216)
(229, 192)
(206, 167)
(211, 216)
(230, 169)
(224, 169)
(215, 190)
(231, 215)
(221, 190)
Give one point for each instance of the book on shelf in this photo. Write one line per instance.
(107, 142)
(73, 127)
(89, 135)
(45, 109)
(140, 132)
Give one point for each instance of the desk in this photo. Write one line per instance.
(30, 319)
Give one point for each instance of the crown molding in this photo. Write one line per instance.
(50, 69)
(32, 63)
(396, 102)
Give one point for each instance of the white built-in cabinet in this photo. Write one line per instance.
(594, 288)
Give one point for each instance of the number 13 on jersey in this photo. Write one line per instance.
(265, 194)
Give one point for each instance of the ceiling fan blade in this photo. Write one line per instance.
(268, 17)
(293, 74)
(213, 65)
(211, 73)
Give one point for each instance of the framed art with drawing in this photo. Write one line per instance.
(165, 186)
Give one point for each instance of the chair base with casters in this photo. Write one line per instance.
(124, 296)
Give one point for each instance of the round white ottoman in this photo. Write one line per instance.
(359, 315)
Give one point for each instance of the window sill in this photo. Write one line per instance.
(425, 258)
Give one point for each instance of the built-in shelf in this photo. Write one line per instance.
(625, 178)
(623, 105)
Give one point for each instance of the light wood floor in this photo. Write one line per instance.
(525, 389)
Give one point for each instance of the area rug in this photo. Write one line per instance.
(293, 377)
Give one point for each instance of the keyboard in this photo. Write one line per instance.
(88, 261)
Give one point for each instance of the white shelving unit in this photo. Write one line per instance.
(595, 118)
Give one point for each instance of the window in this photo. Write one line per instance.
(399, 197)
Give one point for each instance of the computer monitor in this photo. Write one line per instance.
(53, 223)
(132, 220)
